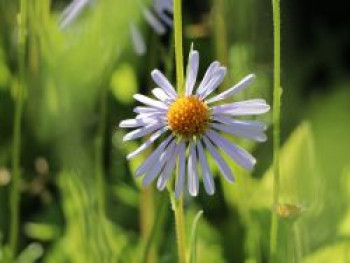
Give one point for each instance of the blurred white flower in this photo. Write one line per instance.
(192, 123)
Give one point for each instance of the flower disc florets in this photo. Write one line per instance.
(188, 116)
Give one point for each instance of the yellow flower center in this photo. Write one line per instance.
(188, 116)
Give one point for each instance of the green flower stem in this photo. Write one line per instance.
(178, 46)
(220, 35)
(276, 123)
(178, 206)
(15, 191)
(180, 230)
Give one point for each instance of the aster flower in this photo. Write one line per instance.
(191, 124)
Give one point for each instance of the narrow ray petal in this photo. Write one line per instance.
(234, 90)
(154, 157)
(168, 169)
(162, 8)
(214, 83)
(213, 67)
(154, 172)
(161, 95)
(249, 124)
(249, 107)
(192, 70)
(147, 144)
(163, 83)
(140, 109)
(206, 174)
(164, 5)
(182, 170)
(242, 157)
(142, 131)
(223, 167)
(72, 12)
(152, 115)
(134, 123)
(153, 21)
(238, 130)
(150, 102)
(137, 40)
(166, 19)
(192, 171)
(68, 9)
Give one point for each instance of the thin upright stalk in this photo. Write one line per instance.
(16, 150)
(290, 244)
(178, 207)
(276, 124)
(180, 230)
(297, 242)
(147, 218)
(178, 46)
(220, 35)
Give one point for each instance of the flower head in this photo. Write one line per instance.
(191, 124)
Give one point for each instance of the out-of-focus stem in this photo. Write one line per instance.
(297, 242)
(220, 34)
(16, 150)
(147, 216)
(99, 151)
(290, 244)
(276, 124)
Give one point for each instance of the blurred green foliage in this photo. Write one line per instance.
(79, 200)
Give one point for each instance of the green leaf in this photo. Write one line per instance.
(344, 226)
(193, 241)
(299, 177)
(339, 252)
(208, 241)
